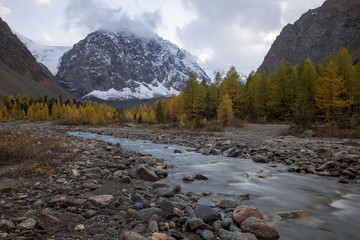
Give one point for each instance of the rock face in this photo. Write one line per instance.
(318, 33)
(120, 66)
(19, 71)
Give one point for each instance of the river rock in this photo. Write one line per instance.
(101, 200)
(295, 214)
(328, 165)
(348, 173)
(6, 225)
(206, 234)
(132, 214)
(133, 236)
(351, 158)
(260, 158)
(49, 223)
(324, 153)
(197, 223)
(259, 228)
(166, 205)
(207, 214)
(242, 212)
(188, 178)
(148, 212)
(145, 173)
(200, 177)
(227, 235)
(228, 203)
(28, 224)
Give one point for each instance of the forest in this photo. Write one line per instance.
(303, 94)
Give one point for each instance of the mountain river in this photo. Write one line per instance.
(334, 207)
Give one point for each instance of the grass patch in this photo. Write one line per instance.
(23, 154)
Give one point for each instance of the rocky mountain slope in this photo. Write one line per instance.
(121, 66)
(317, 33)
(48, 55)
(19, 71)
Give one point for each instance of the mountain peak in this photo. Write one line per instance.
(122, 65)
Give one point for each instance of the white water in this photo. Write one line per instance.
(334, 207)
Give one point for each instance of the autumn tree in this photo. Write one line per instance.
(329, 93)
(225, 111)
(189, 94)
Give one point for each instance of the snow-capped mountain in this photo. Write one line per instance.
(211, 68)
(47, 55)
(121, 66)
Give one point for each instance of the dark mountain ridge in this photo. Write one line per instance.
(318, 33)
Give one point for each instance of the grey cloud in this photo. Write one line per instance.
(92, 15)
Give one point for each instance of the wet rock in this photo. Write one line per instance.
(228, 203)
(207, 214)
(227, 222)
(348, 173)
(101, 200)
(188, 178)
(295, 214)
(166, 205)
(6, 225)
(161, 173)
(49, 223)
(343, 180)
(176, 234)
(200, 177)
(190, 212)
(197, 223)
(159, 184)
(28, 224)
(328, 165)
(145, 173)
(242, 212)
(227, 235)
(259, 228)
(260, 158)
(177, 151)
(133, 236)
(307, 134)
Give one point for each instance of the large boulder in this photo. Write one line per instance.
(259, 228)
(242, 212)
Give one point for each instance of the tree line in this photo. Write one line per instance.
(301, 94)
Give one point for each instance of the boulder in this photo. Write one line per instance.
(49, 223)
(260, 158)
(207, 214)
(145, 173)
(242, 212)
(101, 200)
(259, 228)
(307, 134)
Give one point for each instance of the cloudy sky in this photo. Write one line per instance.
(227, 32)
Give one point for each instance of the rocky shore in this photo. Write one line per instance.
(108, 192)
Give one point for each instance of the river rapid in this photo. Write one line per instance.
(334, 207)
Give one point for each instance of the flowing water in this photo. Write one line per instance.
(334, 207)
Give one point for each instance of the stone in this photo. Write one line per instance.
(324, 153)
(28, 224)
(161, 173)
(228, 203)
(197, 223)
(205, 234)
(227, 235)
(176, 234)
(133, 236)
(227, 222)
(260, 158)
(49, 223)
(200, 177)
(166, 205)
(101, 200)
(178, 212)
(177, 151)
(307, 134)
(79, 228)
(148, 212)
(160, 236)
(75, 173)
(159, 184)
(242, 212)
(190, 212)
(294, 214)
(339, 156)
(153, 226)
(164, 192)
(125, 179)
(328, 165)
(348, 173)
(145, 173)
(207, 214)
(6, 225)
(132, 214)
(70, 220)
(188, 178)
(351, 158)
(259, 228)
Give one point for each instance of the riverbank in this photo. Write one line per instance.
(107, 192)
